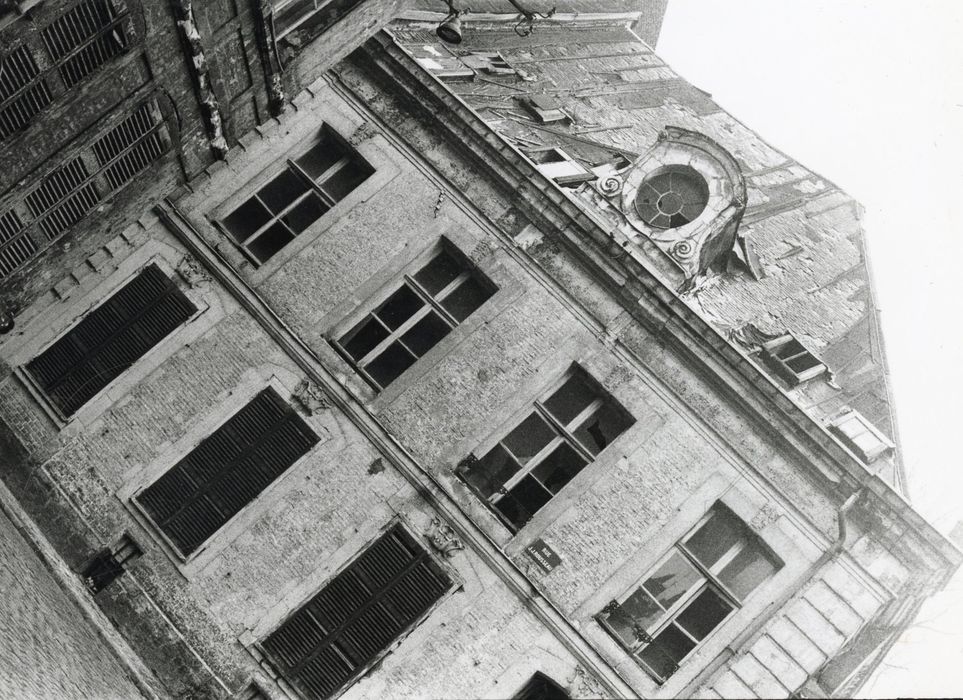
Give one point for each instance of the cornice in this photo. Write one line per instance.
(649, 294)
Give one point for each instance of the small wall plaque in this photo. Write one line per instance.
(543, 555)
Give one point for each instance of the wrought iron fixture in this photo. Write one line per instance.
(450, 28)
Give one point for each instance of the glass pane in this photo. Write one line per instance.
(364, 337)
(270, 242)
(246, 219)
(602, 427)
(305, 213)
(322, 156)
(439, 273)
(672, 580)
(802, 363)
(790, 348)
(399, 307)
(531, 435)
(638, 611)
(704, 614)
(282, 190)
(720, 533)
(571, 398)
(425, 334)
(390, 364)
(349, 176)
(559, 467)
(664, 654)
(469, 295)
(491, 472)
(523, 501)
(751, 566)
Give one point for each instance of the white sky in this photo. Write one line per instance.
(870, 95)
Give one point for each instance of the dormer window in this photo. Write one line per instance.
(561, 167)
(860, 436)
(545, 108)
(490, 62)
(790, 360)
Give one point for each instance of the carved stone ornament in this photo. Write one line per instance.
(312, 397)
(585, 685)
(443, 538)
(687, 195)
(192, 272)
(766, 516)
(609, 186)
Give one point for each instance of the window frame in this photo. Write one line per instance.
(118, 22)
(92, 186)
(709, 579)
(883, 443)
(33, 385)
(570, 179)
(427, 554)
(315, 187)
(769, 352)
(159, 531)
(563, 436)
(304, 18)
(340, 334)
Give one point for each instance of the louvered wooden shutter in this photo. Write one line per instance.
(227, 470)
(365, 608)
(110, 339)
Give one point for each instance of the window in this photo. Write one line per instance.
(415, 317)
(312, 16)
(69, 193)
(541, 687)
(690, 592)
(23, 92)
(545, 108)
(447, 68)
(63, 198)
(334, 637)
(860, 436)
(297, 197)
(672, 197)
(561, 167)
(85, 38)
(15, 247)
(109, 340)
(131, 146)
(567, 428)
(491, 62)
(226, 471)
(789, 359)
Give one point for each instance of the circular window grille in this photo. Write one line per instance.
(672, 198)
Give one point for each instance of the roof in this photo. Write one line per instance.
(809, 273)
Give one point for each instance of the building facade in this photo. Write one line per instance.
(348, 362)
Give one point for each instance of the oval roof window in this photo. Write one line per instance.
(672, 197)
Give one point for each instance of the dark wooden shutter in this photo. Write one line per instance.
(358, 615)
(110, 339)
(227, 470)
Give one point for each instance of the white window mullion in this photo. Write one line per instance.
(393, 335)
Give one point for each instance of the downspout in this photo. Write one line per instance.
(763, 617)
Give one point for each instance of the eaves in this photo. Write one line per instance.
(646, 282)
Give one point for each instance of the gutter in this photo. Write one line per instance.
(674, 319)
(751, 632)
(423, 481)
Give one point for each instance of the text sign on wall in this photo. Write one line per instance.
(543, 555)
